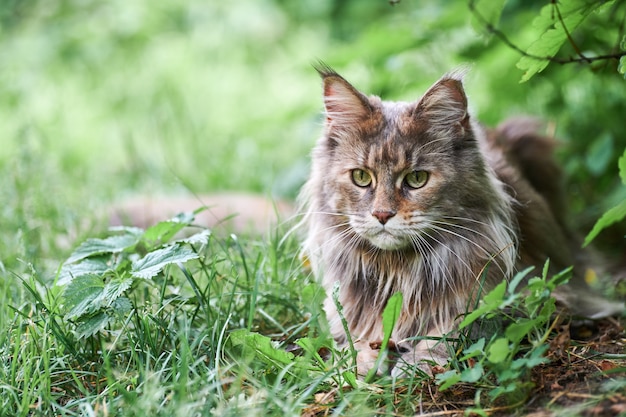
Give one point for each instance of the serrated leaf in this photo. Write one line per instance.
(112, 244)
(163, 231)
(83, 295)
(553, 35)
(91, 266)
(93, 324)
(114, 289)
(559, 279)
(154, 262)
(312, 345)
(201, 238)
(90, 325)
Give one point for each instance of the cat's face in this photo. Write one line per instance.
(398, 175)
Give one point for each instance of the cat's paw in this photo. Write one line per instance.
(420, 360)
(366, 360)
(368, 354)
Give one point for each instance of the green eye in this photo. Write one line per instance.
(416, 179)
(361, 178)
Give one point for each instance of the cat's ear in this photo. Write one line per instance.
(343, 103)
(445, 104)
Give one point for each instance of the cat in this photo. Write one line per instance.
(420, 198)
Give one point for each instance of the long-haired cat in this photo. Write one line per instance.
(419, 198)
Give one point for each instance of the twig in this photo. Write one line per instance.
(503, 38)
(569, 37)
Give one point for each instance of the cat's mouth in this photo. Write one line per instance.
(386, 240)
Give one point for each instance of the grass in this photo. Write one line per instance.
(105, 100)
(221, 325)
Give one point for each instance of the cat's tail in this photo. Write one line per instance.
(531, 154)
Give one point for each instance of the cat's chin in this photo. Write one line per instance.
(387, 241)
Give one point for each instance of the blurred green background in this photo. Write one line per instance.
(101, 100)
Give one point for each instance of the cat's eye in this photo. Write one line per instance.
(416, 179)
(361, 178)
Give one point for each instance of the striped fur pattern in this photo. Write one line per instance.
(406, 197)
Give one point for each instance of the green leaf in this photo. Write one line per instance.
(498, 350)
(90, 325)
(91, 266)
(561, 278)
(93, 324)
(312, 345)
(200, 238)
(391, 313)
(390, 317)
(350, 378)
(115, 288)
(312, 296)
(490, 302)
(447, 379)
(154, 262)
(83, 296)
(517, 279)
(536, 356)
(613, 215)
(163, 231)
(506, 389)
(552, 34)
(473, 374)
(518, 330)
(112, 244)
(262, 346)
(474, 350)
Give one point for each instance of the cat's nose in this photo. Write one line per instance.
(383, 216)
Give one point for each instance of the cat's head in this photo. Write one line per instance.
(398, 174)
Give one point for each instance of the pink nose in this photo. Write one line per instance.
(383, 216)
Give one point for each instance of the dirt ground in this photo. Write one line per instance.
(586, 376)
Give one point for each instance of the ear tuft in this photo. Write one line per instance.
(445, 103)
(343, 103)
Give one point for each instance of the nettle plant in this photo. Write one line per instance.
(100, 273)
